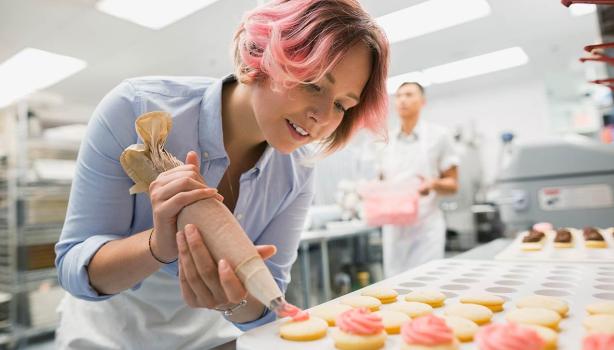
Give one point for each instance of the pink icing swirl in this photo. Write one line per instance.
(360, 321)
(427, 330)
(543, 226)
(598, 341)
(294, 312)
(508, 336)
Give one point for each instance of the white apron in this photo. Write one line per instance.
(153, 317)
(405, 247)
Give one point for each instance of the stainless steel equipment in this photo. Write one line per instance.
(568, 182)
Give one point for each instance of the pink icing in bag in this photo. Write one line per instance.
(390, 202)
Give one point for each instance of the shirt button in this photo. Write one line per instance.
(239, 216)
(206, 154)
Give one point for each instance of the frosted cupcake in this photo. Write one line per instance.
(359, 329)
(508, 336)
(428, 333)
(598, 341)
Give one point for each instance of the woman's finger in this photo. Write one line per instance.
(163, 180)
(186, 290)
(192, 158)
(266, 251)
(177, 186)
(233, 287)
(202, 294)
(204, 263)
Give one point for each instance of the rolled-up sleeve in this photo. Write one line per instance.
(284, 231)
(100, 207)
(449, 155)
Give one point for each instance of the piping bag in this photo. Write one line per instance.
(220, 231)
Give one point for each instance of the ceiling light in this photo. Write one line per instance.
(582, 9)
(431, 16)
(466, 68)
(31, 69)
(154, 14)
(478, 65)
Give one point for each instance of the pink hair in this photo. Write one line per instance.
(298, 41)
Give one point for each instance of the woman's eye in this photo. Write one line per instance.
(339, 106)
(314, 87)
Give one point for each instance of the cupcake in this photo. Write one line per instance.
(359, 329)
(428, 332)
(598, 341)
(508, 336)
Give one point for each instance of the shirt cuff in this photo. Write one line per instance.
(266, 317)
(83, 288)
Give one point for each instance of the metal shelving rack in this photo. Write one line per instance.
(30, 224)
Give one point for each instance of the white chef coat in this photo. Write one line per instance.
(427, 152)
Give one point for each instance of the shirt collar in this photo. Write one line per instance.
(211, 136)
(413, 136)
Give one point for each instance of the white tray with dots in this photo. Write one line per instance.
(549, 253)
(578, 284)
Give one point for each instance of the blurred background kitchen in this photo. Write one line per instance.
(534, 137)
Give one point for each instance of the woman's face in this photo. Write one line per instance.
(292, 118)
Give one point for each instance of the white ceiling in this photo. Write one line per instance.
(199, 44)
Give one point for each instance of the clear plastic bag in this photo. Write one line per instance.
(390, 202)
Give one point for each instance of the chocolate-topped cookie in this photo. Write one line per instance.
(563, 236)
(592, 234)
(533, 236)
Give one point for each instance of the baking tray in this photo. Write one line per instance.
(579, 284)
(579, 253)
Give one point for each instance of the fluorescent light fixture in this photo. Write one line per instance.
(478, 65)
(393, 83)
(154, 14)
(431, 16)
(582, 9)
(31, 69)
(466, 68)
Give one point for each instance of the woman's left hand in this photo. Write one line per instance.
(205, 283)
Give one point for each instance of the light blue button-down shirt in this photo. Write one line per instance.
(273, 197)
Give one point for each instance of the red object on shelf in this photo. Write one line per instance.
(594, 2)
(591, 48)
(606, 82)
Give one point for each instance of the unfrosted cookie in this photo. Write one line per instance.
(329, 312)
(431, 297)
(392, 320)
(549, 336)
(599, 324)
(370, 303)
(544, 302)
(384, 294)
(311, 329)
(491, 301)
(464, 329)
(601, 308)
(412, 309)
(477, 313)
(538, 316)
(348, 341)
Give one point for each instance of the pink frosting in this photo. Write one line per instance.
(508, 336)
(294, 312)
(543, 226)
(360, 321)
(427, 330)
(598, 342)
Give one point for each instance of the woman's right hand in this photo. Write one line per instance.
(169, 193)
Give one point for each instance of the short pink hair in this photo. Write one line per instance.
(298, 41)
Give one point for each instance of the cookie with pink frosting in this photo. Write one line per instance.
(508, 336)
(598, 341)
(428, 333)
(359, 329)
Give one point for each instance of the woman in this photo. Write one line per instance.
(306, 71)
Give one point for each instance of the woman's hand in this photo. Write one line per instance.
(169, 193)
(205, 283)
